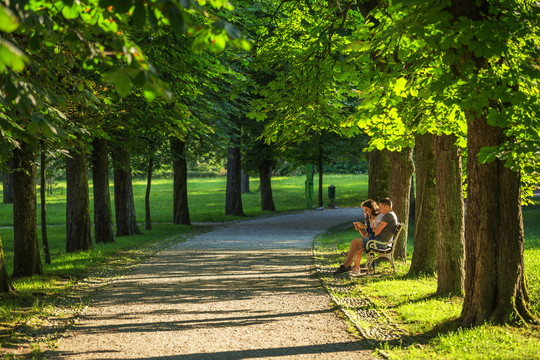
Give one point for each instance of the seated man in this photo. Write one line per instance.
(383, 232)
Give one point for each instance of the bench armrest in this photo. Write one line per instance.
(373, 244)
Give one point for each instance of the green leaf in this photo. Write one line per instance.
(123, 84)
(122, 6)
(8, 21)
(176, 20)
(121, 81)
(152, 20)
(71, 11)
(139, 15)
(11, 56)
(399, 86)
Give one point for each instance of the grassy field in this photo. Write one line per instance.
(431, 321)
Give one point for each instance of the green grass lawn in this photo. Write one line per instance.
(430, 321)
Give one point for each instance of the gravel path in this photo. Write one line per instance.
(246, 290)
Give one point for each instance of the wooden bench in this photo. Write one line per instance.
(378, 249)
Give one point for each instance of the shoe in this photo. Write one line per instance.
(345, 253)
(342, 269)
(356, 272)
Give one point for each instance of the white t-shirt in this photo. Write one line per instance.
(377, 219)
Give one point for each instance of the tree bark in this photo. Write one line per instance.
(265, 179)
(78, 222)
(402, 169)
(103, 224)
(495, 287)
(233, 196)
(320, 168)
(495, 283)
(425, 231)
(26, 258)
(180, 191)
(8, 184)
(5, 283)
(450, 216)
(245, 182)
(42, 191)
(379, 174)
(124, 204)
(147, 216)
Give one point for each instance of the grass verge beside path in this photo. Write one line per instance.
(406, 321)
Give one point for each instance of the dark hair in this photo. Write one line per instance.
(371, 204)
(386, 201)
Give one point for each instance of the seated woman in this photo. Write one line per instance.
(383, 231)
(373, 217)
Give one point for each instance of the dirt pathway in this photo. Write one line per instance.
(243, 291)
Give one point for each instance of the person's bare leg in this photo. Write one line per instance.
(356, 246)
(358, 258)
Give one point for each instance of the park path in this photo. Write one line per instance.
(246, 290)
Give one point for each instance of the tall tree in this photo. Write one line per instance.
(450, 216)
(233, 196)
(5, 283)
(26, 258)
(180, 191)
(495, 283)
(7, 178)
(42, 192)
(402, 170)
(245, 182)
(425, 231)
(124, 203)
(78, 222)
(265, 181)
(379, 174)
(103, 224)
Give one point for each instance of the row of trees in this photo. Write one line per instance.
(454, 80)
(457, 81)
(69, 109)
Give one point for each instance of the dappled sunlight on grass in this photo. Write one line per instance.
(486, 342)
(431, 320)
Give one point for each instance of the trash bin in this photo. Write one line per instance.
(332, 193)
(332, 196)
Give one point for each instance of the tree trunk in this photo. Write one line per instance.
(26, 258)
(103, 224)
(78, 222)
(265, 179)
(425, 231)
(245, 182)
(495, 287)
(5, 282)
(379, 174)
(8, 184)
(402, 169)
(124, 204)
(450, 216)
(320, 168)
(495, 283)
(412, 205)
(42, 191)
(180, 190)
(233, 197)
(148, 218)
